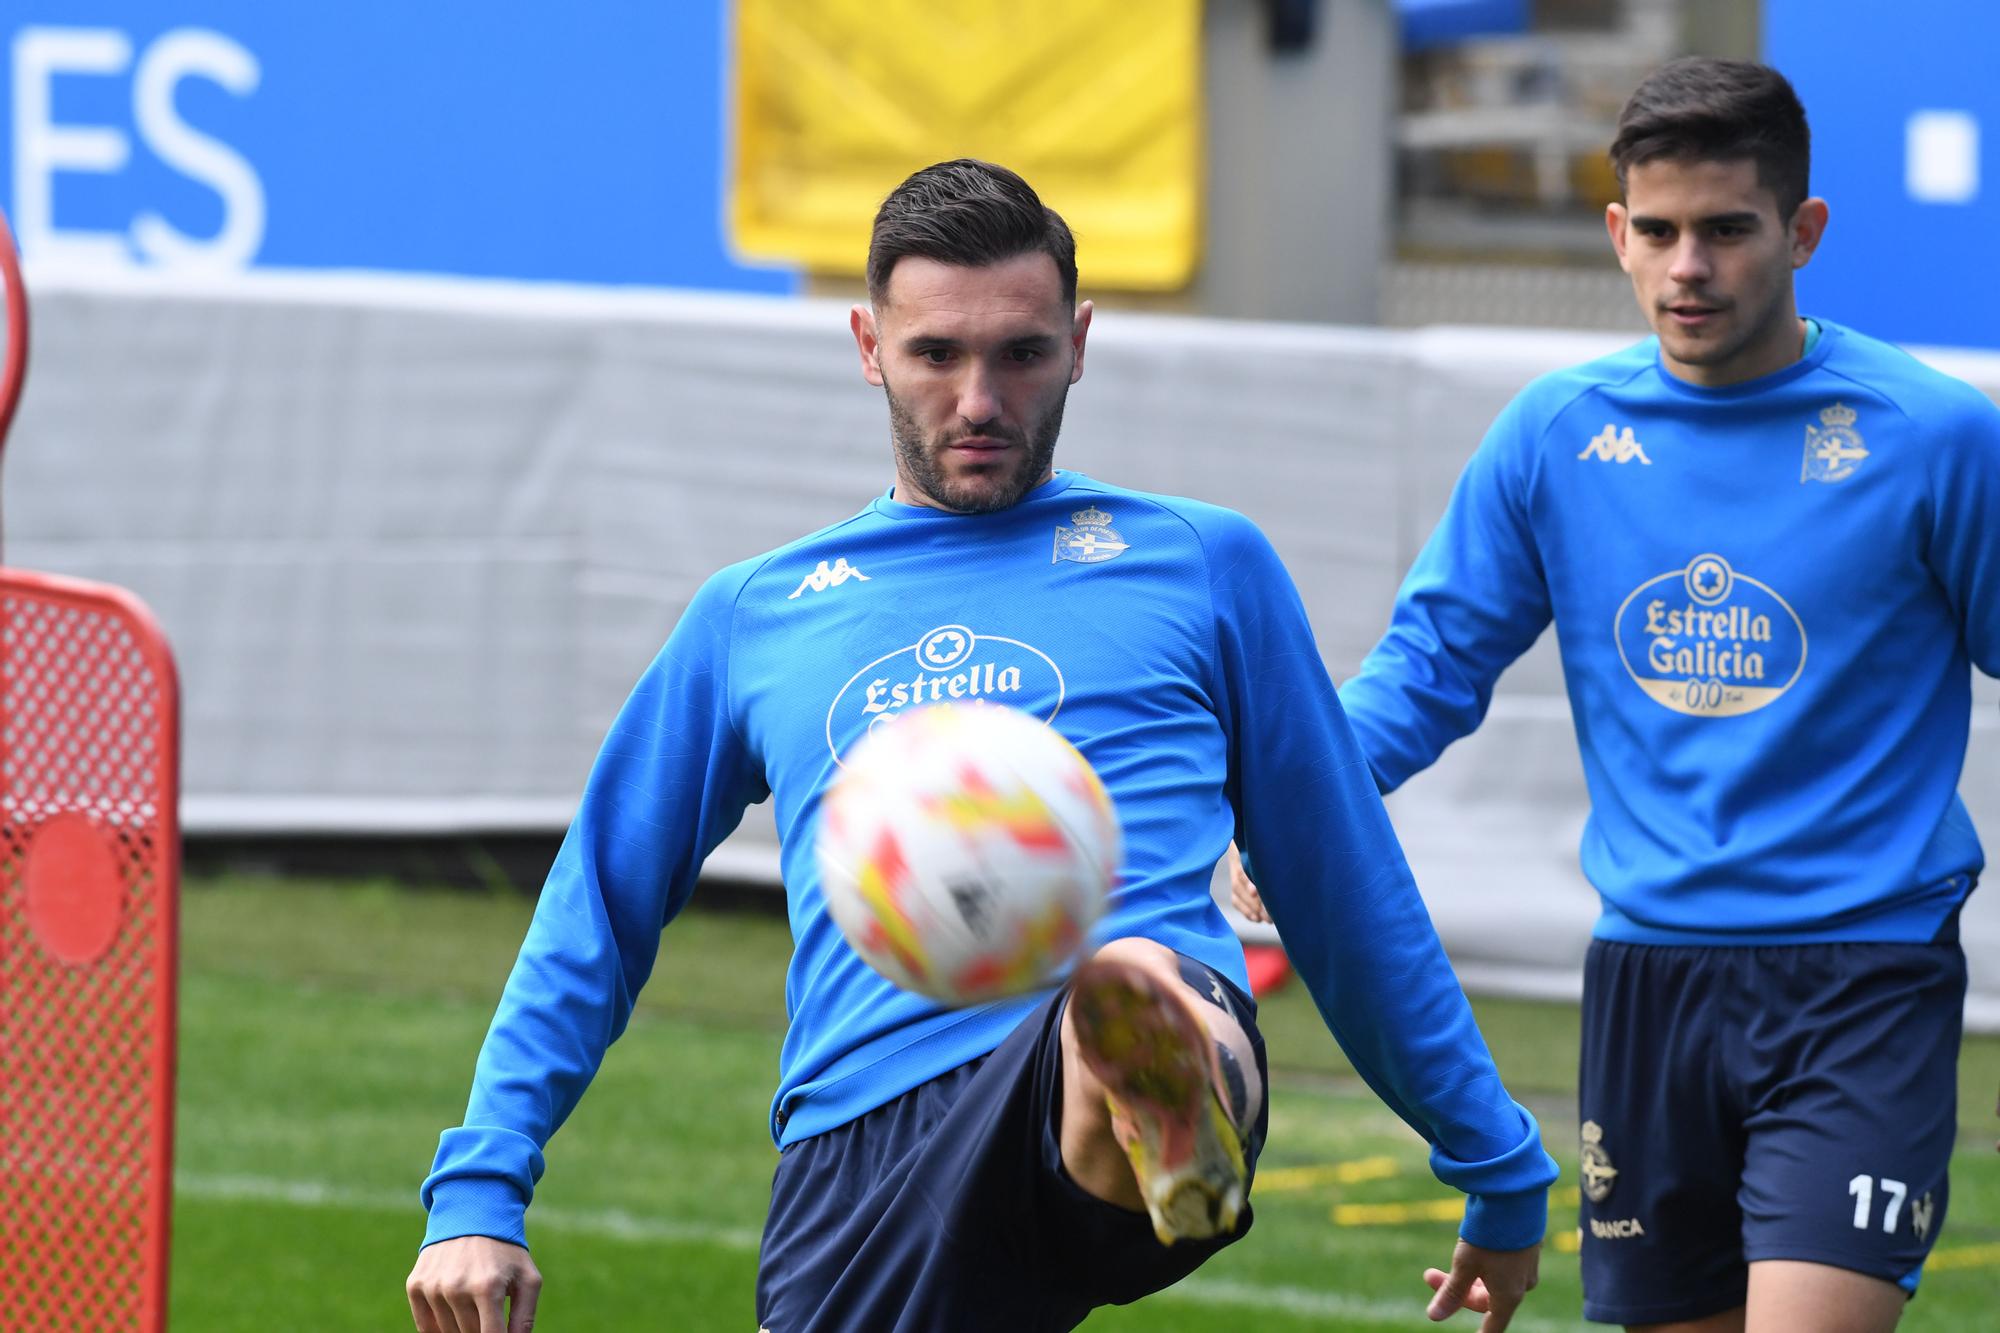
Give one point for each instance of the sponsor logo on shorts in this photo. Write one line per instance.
(1598, 1173)
(1619, 1228)
(1710, 641)
(1920, 1217)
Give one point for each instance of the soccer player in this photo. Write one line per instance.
(1014, 1165)
(1769, 548)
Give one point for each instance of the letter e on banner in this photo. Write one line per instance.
(45, 149)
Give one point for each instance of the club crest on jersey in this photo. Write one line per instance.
(1599, 1175)
(1833, 448)
(1092, 541)
(1709, 641)
(950, 664)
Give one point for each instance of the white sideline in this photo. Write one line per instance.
(611, 1223)
(615, 1224)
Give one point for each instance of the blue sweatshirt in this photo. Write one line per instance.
(1163, 638)
(1768, 598)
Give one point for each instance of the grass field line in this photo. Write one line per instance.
(615, 1224)
(610, 1223)
(1350, 1310)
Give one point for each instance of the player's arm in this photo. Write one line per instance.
(670, 782)
(1961, 550)
(1475, 600)
(1337, 886)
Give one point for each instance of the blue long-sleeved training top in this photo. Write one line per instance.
(1165, 640)
(1767, 599)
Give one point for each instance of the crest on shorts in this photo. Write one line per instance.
(1920, 1217)
(1598, 1173)
(1092, 541)
(1833, 448)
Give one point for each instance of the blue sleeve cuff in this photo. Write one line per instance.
(1506, 1221)
(477, 1206)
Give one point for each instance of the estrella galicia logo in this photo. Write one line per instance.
(950, 664)
(1709, 641)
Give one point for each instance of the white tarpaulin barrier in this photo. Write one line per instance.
(413, 541)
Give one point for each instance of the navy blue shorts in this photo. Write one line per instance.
(949, 1208)
(1779, 1102)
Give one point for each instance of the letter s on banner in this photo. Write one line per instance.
(175, 56)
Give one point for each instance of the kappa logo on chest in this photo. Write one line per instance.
(826, 576)
(1612, 445)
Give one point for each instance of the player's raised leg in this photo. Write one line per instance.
(1159, 1085)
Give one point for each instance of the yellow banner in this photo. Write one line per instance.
(1096, 102)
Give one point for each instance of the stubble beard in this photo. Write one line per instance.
(1746, 328)
(1695, 350)
(991, 488)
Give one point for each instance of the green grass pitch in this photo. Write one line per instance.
(328, 1034)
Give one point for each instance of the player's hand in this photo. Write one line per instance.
(1243, 895)
(1487, 1282)
(466, 1285)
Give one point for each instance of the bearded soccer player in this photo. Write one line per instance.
(1768, 544)
(1014, 1165)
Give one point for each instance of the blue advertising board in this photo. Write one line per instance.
(1905, 113)
(578, 143)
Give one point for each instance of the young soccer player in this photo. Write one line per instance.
(1014, 1165)
(1771, 549)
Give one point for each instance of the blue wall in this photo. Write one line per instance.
(541, 141)
(1913, 269)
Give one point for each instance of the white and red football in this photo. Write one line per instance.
(965, 850)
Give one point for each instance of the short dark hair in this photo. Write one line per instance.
(967, 212)
(1704, 109)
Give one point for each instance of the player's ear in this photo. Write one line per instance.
(1079, 329)
(1615, 217)
(861, 319)
(1808, 226)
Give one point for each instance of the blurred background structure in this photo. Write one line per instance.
(417, 364)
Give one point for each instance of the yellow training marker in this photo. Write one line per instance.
(1290, 1178)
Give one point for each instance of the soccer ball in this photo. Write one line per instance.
(966, 850)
